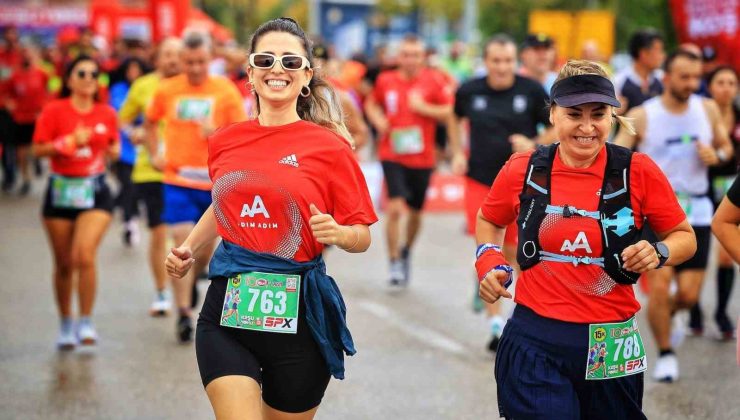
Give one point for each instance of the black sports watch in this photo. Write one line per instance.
(663, 252)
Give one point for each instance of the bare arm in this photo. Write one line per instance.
(642, 256)
(353, 119)
(455, 126)
(721, 139)
(376, 116)
(204, 232)
(725, 227)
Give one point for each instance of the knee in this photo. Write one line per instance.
(83, 259)
(63, 268)
(395, 209)
(686, 299)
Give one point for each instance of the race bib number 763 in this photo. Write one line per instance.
(262, 302)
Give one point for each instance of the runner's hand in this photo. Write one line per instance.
(137, 135)
(382, 126)
(459, 163)
(325, 229)
(640, 257)
(416, 101)
(157, 162)
(81, 135)
(707, 154)
(492, 286)
(521, 143)
(179, 261)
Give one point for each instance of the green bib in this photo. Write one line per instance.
(72, 193)
(615, 350)
(407, 141)
(262, 302)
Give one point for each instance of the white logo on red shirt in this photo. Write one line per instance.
(581, 242)
(289, 160)
(83, 152)
(258, 207)
(100, 128)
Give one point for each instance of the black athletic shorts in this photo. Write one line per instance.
(289, 367)
(152, 195)
(701, 257)
(703, 242)
(409, 183)
(103, 201)
(22, 134)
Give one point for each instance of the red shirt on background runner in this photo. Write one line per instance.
(27, 89)
(410, 140)
(582, 293)
(265, 178)
(59, 118)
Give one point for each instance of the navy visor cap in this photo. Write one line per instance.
(583, 89)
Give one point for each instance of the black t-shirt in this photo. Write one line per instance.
(734, 193)
(495, 115)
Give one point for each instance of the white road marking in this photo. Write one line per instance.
(421, 333)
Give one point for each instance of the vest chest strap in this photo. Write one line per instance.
(550, 256)
(568, 211)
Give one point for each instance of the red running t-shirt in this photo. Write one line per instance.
(265, 178)
(582, 293)
(59, 118)
(411, 138)
(27, 90)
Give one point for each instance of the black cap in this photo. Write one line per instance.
(537, 40)
(583, 89)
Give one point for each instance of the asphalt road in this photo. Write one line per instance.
(420, 353)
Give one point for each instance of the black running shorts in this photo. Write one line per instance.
(152, 195)
(289, 367)
(103, 201)
(408, 183)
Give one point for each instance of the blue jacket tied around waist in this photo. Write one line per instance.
(326, 314)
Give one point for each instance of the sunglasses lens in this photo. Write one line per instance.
(292, 63)
(263, 61)
(82, 74)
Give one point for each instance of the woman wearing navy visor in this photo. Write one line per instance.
(272, 329)
(572, 348)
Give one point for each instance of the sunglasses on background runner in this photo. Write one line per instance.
(82, 74)
(289, 62)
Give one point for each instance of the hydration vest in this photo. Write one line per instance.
(614, 215)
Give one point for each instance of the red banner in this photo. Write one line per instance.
(710, 23)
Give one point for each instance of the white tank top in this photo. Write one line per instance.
(670, 140)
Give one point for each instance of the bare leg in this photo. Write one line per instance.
(157, 254)
(660, 305)
(59, 232)
(235, 398)
(90, 227)
(394, 211)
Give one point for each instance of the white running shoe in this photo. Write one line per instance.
(87, 335)
(678, 329)
(67, 340)
(666, 369)
(398, 277)
(162, 305)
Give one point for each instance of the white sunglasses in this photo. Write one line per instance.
(288, 62)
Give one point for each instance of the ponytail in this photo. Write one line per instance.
(626, 123)
(323, 107)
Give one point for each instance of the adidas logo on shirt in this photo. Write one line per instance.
(289, 160)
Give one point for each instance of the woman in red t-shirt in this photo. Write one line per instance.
(284, 186)
(572, 349)
(78, 134)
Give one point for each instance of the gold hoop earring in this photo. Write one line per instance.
(306, 94)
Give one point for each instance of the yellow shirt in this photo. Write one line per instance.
(185, 110)
(136, 102)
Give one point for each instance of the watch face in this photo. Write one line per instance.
(662, 249)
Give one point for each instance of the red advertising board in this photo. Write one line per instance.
(713, 23)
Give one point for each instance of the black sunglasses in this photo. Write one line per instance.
(82, 74)
(267, 61)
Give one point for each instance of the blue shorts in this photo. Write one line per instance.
(541, 369)
(183, 205)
